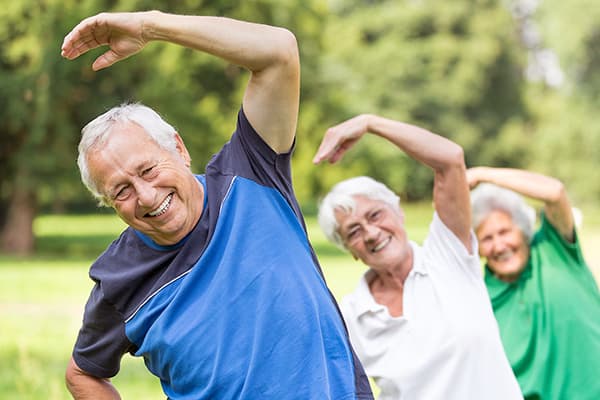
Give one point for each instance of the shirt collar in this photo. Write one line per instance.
(365, 301)
(419, 266)
(497, 287)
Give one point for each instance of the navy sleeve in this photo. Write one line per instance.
(101, 342)
(248, 155)
(125, 275)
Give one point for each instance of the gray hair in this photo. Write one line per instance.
(487, 197)
(341, 197)
(96, 132)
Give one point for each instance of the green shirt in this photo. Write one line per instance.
(550, 320)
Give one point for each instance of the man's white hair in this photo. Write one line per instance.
(96, 132)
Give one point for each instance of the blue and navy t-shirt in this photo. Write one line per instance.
(238, 309)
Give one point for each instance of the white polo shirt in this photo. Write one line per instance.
(447, 344)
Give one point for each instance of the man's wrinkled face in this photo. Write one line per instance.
(152, 189)
(374, 233)
(503, 245)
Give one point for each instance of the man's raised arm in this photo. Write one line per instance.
(270, 53)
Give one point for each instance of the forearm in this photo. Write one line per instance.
(251, 45)
(433, 150)
(94, 391)
(530, 184)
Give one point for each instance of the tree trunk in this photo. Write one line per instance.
(17, 233)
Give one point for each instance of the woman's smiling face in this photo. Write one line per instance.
(374, 233)
(503, 245)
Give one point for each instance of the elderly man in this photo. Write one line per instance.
(198, 284)
(420, 318)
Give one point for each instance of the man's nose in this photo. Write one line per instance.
(146, 194)
(370, 232)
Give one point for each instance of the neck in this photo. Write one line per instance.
(394, 277)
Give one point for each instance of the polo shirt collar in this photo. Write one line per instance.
(419, 265)
(365, 301)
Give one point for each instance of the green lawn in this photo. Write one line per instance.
(42, 298)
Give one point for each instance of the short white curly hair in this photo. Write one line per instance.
(341, 197)
(487, 197)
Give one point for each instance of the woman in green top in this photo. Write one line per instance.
(544, 296)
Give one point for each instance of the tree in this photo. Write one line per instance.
(28, 160)
(566, 124)
(452, 67)
(48, 99)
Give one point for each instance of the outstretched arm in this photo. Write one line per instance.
(450, 191)
(84, 387)
(270, 54)
(549, 190)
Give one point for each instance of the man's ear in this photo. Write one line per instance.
(182, 150)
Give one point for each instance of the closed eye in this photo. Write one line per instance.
(147, 171)
(122, 193)
(352, 234)
(374, 216)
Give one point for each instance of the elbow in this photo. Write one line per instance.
(449, 159)
(288, 53)
(456, 157)
(558, 191)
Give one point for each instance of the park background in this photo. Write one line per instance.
(516, 83)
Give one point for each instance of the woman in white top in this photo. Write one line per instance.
(420, 318)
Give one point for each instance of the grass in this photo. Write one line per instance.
(41, 303)
(42, 299)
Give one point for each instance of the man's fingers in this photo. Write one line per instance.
(73, 47)
(105, 60)
(87, 35)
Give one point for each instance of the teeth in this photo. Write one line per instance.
(505, 255)
(162, 208)
(381, 245)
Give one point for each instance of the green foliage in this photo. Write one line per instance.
(456, 68)
(452, 67)
(567, 146)
(566, 140)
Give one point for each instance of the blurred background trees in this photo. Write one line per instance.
(516, 83)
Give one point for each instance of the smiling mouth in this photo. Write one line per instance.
(504, 256)
(162, 208)
(381, 245)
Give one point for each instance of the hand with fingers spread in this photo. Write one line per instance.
(121, 32)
